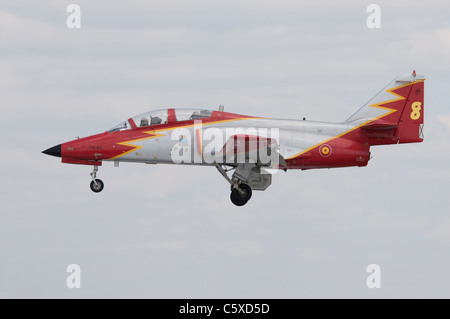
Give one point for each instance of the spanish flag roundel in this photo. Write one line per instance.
(325, 150)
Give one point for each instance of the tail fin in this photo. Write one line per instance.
(395, 114)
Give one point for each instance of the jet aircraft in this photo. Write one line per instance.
(254, 147)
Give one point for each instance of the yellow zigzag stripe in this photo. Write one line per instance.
(136, 147)
(153, 132)
(378, 105)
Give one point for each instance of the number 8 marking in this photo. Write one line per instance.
(416, 107)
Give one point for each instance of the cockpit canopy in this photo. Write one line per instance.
(164, 116)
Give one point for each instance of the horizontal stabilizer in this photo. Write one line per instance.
(379, 127)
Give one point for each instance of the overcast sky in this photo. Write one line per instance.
(172, 232)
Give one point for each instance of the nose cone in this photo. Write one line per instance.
(53, 151)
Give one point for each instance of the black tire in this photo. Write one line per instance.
(97, 186)
(237, 198)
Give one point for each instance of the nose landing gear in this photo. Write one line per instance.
(96, 184)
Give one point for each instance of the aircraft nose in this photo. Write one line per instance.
(53, 151)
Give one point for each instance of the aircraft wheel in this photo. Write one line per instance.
(97, 185)
(237, 198)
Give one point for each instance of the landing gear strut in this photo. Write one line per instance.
(96, 184)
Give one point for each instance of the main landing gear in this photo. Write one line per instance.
(96, 184)
(240, 191)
